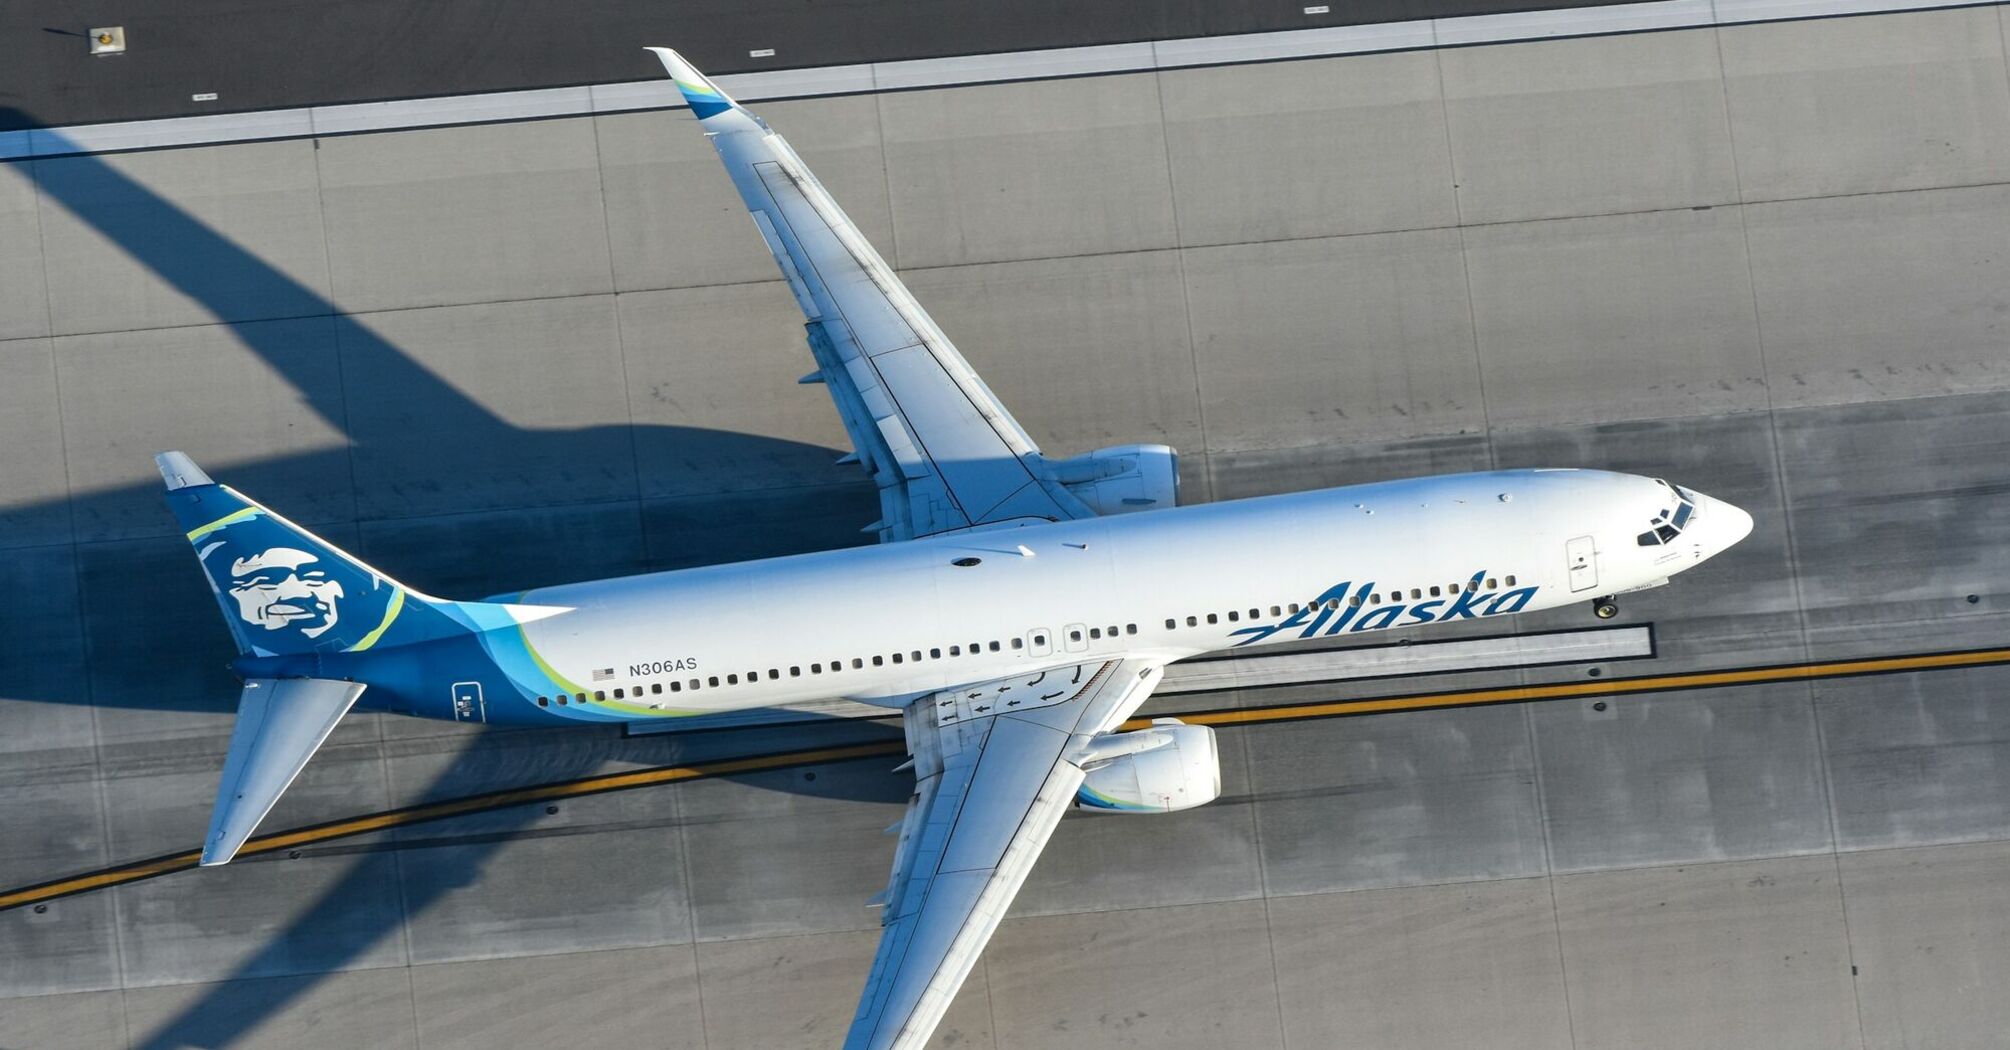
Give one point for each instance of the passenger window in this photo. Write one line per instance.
(1375, 598)
(1276, 610)
(1256, 614)
(1111, 630)
(1074, 636)
(618, 694)
(1233, 616)
(1510, 581)
(857, 663)
(994, 645)
(816, 668)
(676, 686)
(542, 702)
(1355, 601)
(600, 694)
(1017, 643)
(1415, 594)
(1172, 624)
(879, 661)
(1492, 584)
(694, 683)
(933, 654)
(561, 699)
(1211, 618)
(1434, 590)
(656, 689)
(915, 656)
(1095, 632)
(896, 658)
(956, 650)
(796, 672)
(1332, 603)
(1192, 621)
(732, 679)
(1130, 628)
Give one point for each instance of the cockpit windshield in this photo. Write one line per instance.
(1671, 521)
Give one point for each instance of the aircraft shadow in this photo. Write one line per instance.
(171, 658)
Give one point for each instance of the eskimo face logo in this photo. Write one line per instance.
(284, 587)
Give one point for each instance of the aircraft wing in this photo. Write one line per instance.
(994, 768)
(945, 453)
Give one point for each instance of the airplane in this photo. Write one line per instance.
(1017, 613)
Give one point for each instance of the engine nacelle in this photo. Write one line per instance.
(1122, 479)
(1169, 767)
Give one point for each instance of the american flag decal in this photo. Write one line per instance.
(602, 674)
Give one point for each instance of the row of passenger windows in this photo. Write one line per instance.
(775, 673)
(1039, 639)
(1396, 595)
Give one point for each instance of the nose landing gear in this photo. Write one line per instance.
(1605, 608)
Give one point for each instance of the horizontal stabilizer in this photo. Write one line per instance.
(281, 722)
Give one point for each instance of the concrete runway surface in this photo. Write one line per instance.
(1771, 261)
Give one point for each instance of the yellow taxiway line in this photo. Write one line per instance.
(1248, 716)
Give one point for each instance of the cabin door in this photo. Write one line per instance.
(1582, 553)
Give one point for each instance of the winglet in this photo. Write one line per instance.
(704, 96)
(180, 472)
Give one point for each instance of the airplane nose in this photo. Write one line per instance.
(1727, 524)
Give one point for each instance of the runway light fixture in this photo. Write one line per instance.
(108, 40)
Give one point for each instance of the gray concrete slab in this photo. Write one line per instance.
(1552, 128)
(1027, 170)
(1639, 316)
(1435, 796)
(78, 1021)
(34, 487)
(1166, 978)
(1867, 105)
(1368, 131)
(261, 917)
(1207, 854)
(478, 555)
(1908, 302)
(1114, 324)
(104, 220)
(631, 997)
(412, 219)
(673, 218)
(1720, 955)
(1899, 509)
(1698, 776)
(70, 946)
(708, 366)
(798, 993)
(768, 860)
(128, 395)
(24, 299)
(707, 530)
(1917, 760)
(140, 693)
(1926, 929)
(1473, 964)
(362, 1008)
(46, 720)
(1316, 342)
(1238, 475)
(520, 404)
(67, 834)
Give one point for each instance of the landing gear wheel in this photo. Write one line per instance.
(1605, 608)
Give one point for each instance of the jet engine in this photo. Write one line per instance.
(1122, 479)
(1169, 767)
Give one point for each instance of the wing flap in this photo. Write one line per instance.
(944, 452)
(993, 777)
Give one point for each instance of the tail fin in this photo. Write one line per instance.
(284, 590)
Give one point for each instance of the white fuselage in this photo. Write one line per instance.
(884, 624)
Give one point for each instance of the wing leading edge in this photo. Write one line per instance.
(945, 453)
(994, 772)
